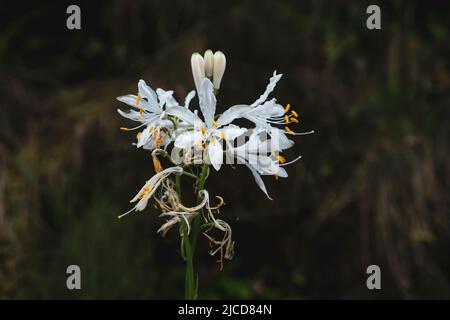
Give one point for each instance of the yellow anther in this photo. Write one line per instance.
(159, 140)
(138, 99)
(138, 135)
(156, 163)
(281, 159)
(213, 140)
(222, 135)
(295, 114)
(287, 108)
(124, 129)
(221, 203)
(200, 143)
(276, 177)
(203, 130)
(141, 111)
(289, 131)
(286, 119)
(294, 120)
(214, 122)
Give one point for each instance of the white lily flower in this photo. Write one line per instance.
(151, 113)
(150, 188)
(261, 157)
(150, 105)
(207, 132)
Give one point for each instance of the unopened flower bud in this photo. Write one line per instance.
(198, 69)
(209, 63)
(218, 69)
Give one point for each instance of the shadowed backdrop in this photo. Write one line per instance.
(371, 188)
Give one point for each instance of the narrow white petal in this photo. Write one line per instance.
(231, 132)
(259, 180)
(207, 101)
(184, 114)
(188, 139)
(215, 152)
(146, 92)
(166, 98)
(272, 83)
(233, 113)
(188, 99)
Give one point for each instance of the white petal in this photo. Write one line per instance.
(282, 172)
(272, 83)
(207, 101)
(268, 109)
(231, 132)
(258, 180)
(215, 152)
(146, 92)
(144, 137)
(233, 113)
(184, 114)
(131, 99)
(188, 99)
(131, 114)
(166, 98)
(188, 139)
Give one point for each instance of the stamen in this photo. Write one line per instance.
(294, 120)
(281, 159)
(276, 177)
(214, 122)
(287, 108)
(292, 161)
(203, 131)
(294, 113)
(220, 204)
(222, 135)
(286, 119)
(138, 100)
(138, 135)
(124, 129)
(289, 131)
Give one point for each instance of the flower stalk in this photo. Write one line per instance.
(205, 140)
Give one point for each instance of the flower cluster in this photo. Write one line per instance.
(190, 137)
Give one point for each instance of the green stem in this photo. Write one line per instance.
(197, 218)
(191, 287)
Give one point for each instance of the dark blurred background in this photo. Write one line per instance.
(372, 187)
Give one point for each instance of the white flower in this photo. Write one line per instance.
(207, 133)
(150, 104)
(262, 157)
(151, 113)
(150, 188)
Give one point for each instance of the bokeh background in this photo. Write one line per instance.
(372, 187)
